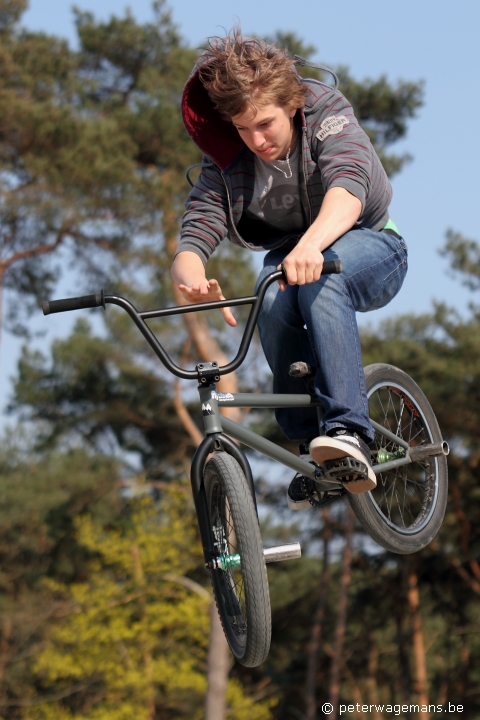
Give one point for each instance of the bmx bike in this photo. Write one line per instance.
(403, 513)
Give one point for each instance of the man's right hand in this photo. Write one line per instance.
(188, 274)
(206, 291)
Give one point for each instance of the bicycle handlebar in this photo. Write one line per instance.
(99, 300)
(330, 267)
(75, 303)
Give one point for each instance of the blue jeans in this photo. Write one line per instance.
(316, 323)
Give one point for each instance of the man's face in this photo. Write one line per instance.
(266, 130)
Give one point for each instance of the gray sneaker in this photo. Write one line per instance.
(296, 496)
(331, 453)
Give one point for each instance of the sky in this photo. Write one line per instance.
(431, 40)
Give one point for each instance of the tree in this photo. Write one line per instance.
(106, 394)
(131, 76)
(91, 144)
(318, 622)
(342, 614)
(41, 498)
(134, 639)
(440, 350)
(96, 393)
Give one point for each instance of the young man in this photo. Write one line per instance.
(289, 170)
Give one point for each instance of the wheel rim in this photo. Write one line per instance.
(230, 581)
(406, 495)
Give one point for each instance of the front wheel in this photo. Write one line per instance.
(405, 511)
(238, 573)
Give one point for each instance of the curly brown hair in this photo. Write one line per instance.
(238, 73)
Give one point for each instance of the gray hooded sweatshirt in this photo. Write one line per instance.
(335, 152)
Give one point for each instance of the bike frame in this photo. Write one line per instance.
(218, 429)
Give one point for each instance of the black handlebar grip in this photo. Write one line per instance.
(75, 303)
(332, 267)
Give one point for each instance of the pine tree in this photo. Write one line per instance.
(134, 640)
(106, 394)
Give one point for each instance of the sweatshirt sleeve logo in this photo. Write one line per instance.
(331, 126)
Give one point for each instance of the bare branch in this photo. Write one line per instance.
(185, 416)
(39, 700)
(41, 250)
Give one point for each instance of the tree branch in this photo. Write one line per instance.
(185, 416)
(41, 250)
(39, 700)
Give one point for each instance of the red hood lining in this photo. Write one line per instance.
(216, 137)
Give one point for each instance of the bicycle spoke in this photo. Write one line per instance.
(232, 578)
(401, 492)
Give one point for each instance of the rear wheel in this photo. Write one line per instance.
(239, 575)
(405, 511)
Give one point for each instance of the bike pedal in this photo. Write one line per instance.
(345, 470)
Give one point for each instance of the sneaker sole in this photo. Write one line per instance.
(325, 449)
(302, 505)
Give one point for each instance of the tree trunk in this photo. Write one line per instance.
(219, 662)
(218, 658)
(314, 645)
(404, 674)
(185, 416)
(4, 645)
(147, 655)
(355, 690)
(418, 642)
(372, 676)
(342, 616)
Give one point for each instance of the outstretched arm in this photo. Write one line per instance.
(188, 273)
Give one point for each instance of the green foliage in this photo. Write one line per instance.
(133, 639)
(41, 498)
(10, 12)
(464, 256)
(137, 629)
(92, 146)
(94, 391)
(104, 611)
